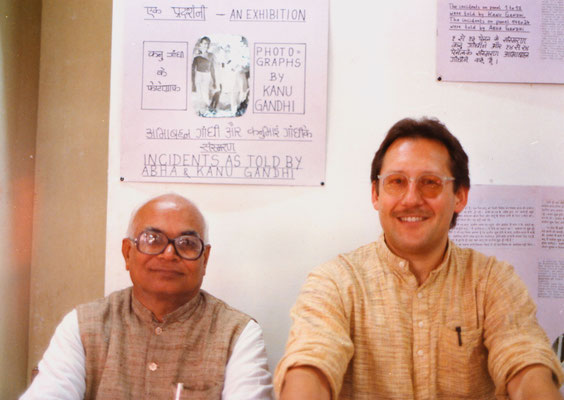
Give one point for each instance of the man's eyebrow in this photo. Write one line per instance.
(190, 232)
(152, 229)
(425, 172)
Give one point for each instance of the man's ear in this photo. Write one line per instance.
(461, 199)
(125, 249)
(206, 256)
(375, 196)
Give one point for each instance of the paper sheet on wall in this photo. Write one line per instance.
(223, 92)
(500, 41)
(523, 225)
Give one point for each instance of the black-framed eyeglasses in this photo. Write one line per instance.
(188, 247)
(429, 185)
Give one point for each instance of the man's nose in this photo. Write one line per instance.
(170, 251)
(412, 194)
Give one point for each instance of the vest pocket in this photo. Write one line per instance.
(463, 364)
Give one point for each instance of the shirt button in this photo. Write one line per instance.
(153, 366)
(158, 330)
(419, 352)
(402, 264)
(419, 295)
(420, 324)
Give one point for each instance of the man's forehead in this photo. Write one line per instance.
(164, 214)
(422, 149)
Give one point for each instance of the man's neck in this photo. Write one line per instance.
(160, 310)
(421, 264)
(422, 267)
(160, 306)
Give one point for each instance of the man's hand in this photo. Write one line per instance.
(307, 383)
(532, 383)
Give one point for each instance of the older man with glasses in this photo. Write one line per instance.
(164, 337)
(413, 316)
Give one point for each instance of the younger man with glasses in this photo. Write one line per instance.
(163, 336)
(413, 316)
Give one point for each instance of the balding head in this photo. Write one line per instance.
(170, 201)
(165, 280)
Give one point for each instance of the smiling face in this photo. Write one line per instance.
(165, 277)
(415, 226)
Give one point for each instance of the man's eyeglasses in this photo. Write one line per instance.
(189, 247)
(429, 185)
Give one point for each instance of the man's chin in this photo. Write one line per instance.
(407, 245)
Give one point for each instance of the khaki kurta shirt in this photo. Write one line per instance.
(365, 323)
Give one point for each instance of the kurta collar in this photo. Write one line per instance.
(401, 265)
(181, 313)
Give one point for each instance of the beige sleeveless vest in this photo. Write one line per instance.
(130, 355)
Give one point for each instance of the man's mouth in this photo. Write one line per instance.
(166, 271)
(411, 219)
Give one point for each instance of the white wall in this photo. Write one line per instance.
(381, 68)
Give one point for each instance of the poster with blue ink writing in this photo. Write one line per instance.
(221, 92)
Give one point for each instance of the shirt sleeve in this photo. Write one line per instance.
(246, 375)
(319, 336)
(61, 371)
(512, 334)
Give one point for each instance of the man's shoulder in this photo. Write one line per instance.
(362, 254)
(356, 257)
(100, 306)
(479, 262)
(361, 261)
(222, 309)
